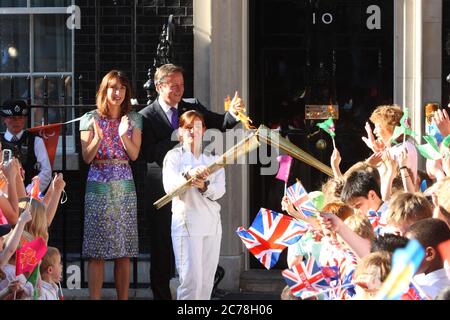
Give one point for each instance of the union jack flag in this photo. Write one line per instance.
(269, 234)
(299, 198)
(414, 293)
(374, 219)
(308, 277)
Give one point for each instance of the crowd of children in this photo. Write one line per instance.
(374, 208)
(25, 218)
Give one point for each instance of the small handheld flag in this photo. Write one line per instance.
(29, 255)
(308, 277)
(285, 167)
(430, 150)
(270, 233)
(34, 193)
(299, 198)
(328, 127)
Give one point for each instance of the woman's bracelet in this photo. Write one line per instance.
(403, 167)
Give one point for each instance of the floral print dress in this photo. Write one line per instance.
(110, 209)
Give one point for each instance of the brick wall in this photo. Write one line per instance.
(122, 35)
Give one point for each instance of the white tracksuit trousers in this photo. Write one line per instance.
(196, 259)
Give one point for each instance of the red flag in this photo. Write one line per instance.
(444, 250)
(35, 193)
(285, 167)
(50, 134)
(28, 256)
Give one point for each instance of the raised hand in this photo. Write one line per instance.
(58, 181)
(375, 159)
(237, 104)
(442, 121)
(98, 132)
(336, 158)
(12, 169)
(370, 139)
(391, 164)
(286, 205)
(329, 222)
(124, 126)
(25, 216)
(402, 157)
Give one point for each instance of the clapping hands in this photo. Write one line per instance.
(124, 126)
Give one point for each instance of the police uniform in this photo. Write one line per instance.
(27, 147)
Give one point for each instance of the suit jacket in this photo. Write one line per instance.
(157, 130)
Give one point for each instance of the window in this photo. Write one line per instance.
(36, 43)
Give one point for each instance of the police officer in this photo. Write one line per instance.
(34, 159)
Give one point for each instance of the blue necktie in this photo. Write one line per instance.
(14, 138)
(174, 119)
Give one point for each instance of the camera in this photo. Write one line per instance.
(6, 156)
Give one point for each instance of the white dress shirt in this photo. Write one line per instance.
(45, 173)
(48, 291)
(432, 283)
(167, 109)
(193, 213)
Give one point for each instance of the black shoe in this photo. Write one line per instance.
(218, 293)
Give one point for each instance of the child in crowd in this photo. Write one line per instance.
(7, 262)
(404, 210)
(370, 274)
(361, 192)
(50, 270)
(388, 242)
(431, 276)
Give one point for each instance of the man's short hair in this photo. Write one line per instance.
(408, 207)
(429, 232)
(358, 184)
(165, 70)
(388, 242)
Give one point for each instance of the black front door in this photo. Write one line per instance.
(316, 52)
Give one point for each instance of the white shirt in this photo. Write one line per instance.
(167, 109)
(49, 291)
(433, 282)
(193, 213)
(45, 173)
(10, 272)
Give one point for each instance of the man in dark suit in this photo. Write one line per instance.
(160, 121)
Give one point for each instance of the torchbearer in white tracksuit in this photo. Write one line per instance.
(196, 225)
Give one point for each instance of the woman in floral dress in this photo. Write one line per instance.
(110, 137)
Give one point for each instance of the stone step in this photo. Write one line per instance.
(262, 281)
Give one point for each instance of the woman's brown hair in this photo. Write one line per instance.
(119, 76)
